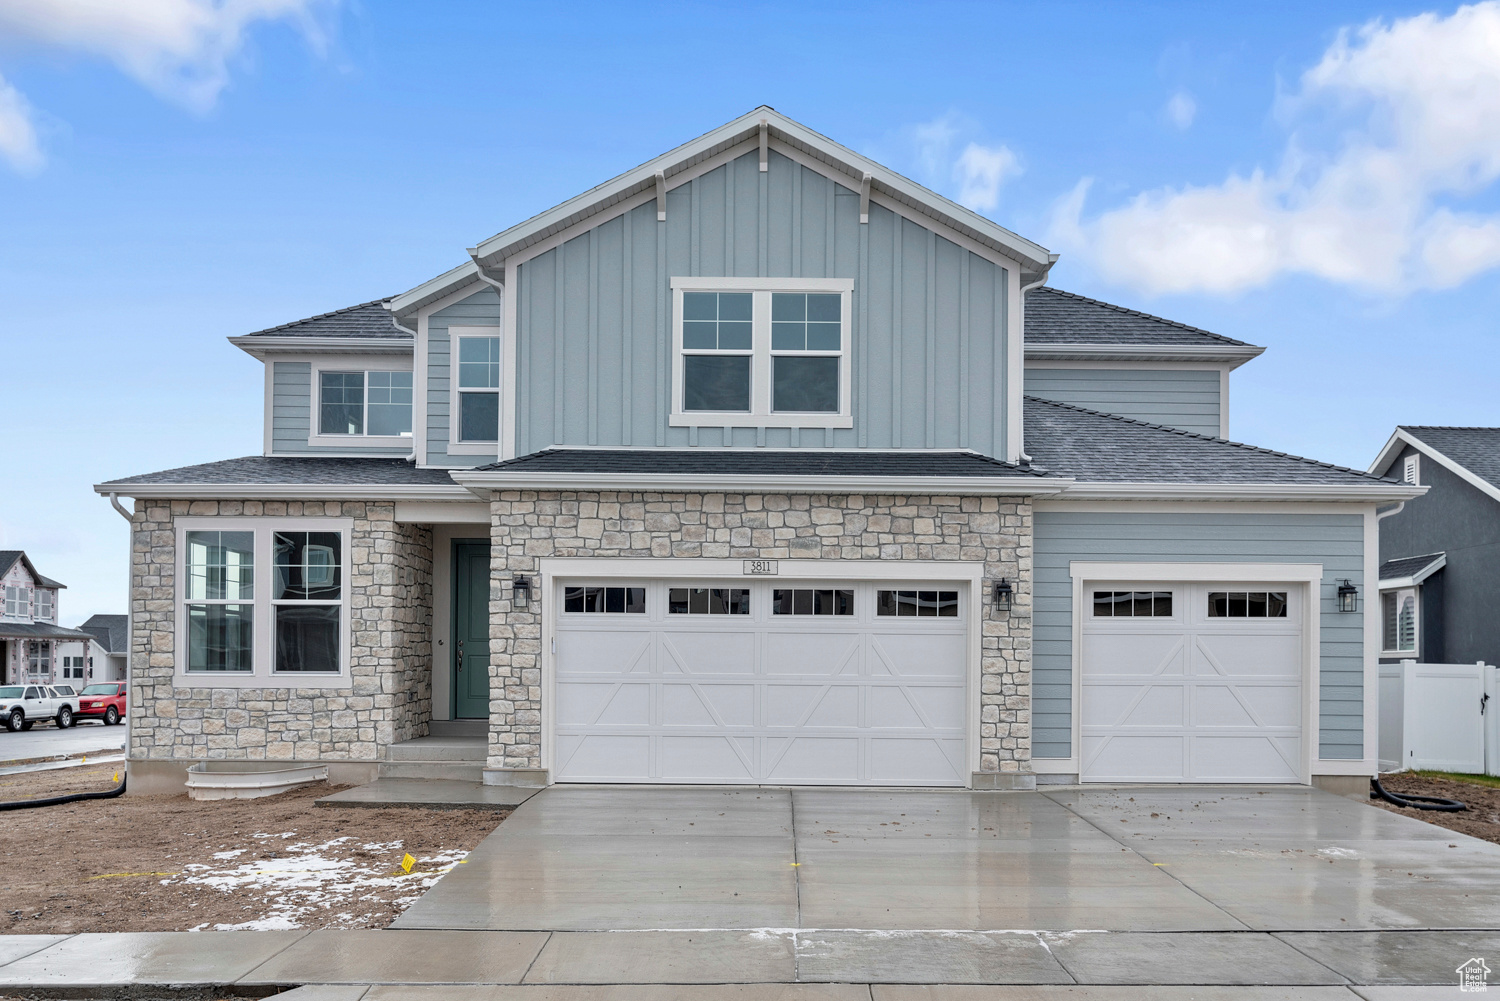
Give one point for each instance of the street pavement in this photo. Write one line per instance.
(45, 740)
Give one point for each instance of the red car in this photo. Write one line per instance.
(105, 701)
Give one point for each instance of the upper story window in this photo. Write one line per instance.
(1398, 615)
(374, 404)
(761, 352)
(46, 604)
(478, 404)
(17, 602)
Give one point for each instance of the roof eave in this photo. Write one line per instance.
(1403, 436)
(1235, 355)
(883, 181)
(499, 479)
(284, 491)
(258, 346)
(1358, 493)
(407, 303)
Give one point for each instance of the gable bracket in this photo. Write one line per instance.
(661, 196)
(765, 145)
(864, 198)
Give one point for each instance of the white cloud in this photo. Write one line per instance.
(978, 172)
(1414, 100)
(1181, 109)
(18, 141)
(180, 49)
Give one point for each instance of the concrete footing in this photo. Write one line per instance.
(529, 778)
(1002, 780)
(1352, 786)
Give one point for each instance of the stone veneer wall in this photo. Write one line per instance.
(528, 525)
(390, 649)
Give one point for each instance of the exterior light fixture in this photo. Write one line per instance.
(1348, 596)
(1003, 596)
(520, 591)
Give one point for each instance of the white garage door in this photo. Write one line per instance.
(761, 682)
(1191, 683)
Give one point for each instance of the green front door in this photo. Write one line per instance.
(471, 629)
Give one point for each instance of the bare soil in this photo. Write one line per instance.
(169, 863)
(1480, 820)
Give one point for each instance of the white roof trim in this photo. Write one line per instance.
(284, 491)
(434, 289)
(1236, 353)
(478, 480)
(1365, 493)
(1403, 437)
(260, 346)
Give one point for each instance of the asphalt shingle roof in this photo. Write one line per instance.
(286, 469)
(40, 631)
(1096, 447)
(111, 630)
(809, 462)
(368, 319)
(1476, 449)
(8, 559)
(1057, 317)
(1408, 566)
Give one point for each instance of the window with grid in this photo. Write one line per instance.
(1132, 604)
(806, 343)
(622, 600)
(478, 389)
(370, 404)
(920, 604)
(307, 600)
(717, 343)
(220, 601)
(708, 601)
(812, 601)
(1247, 604)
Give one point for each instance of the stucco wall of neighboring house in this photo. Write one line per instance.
(1459, 519)
(389, 695)
(527, 526)
(1334, 540)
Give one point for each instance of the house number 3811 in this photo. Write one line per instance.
(760, 566)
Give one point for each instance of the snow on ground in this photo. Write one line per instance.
(323, 884)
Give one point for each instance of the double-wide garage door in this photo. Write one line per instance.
(1191, 683)
(779, 682)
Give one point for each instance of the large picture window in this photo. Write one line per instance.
(372, 404)
(263, 597)
(761, 352)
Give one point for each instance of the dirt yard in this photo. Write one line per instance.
(1480, 820)
(168, 863)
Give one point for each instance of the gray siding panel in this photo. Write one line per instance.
(595, 345)
(292, 411)
(1179, 398)
(1334, 540)
(480, 309)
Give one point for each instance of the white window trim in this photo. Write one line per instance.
(760, 414)
(262, 673)
(1416, 624)
(486, 448)
(365, 365)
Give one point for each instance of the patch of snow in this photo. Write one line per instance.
(230, 854)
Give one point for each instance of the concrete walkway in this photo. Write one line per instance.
(586, 894)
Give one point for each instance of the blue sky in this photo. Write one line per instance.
(1316, 178)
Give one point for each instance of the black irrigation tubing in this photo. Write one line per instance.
(27, 804)
(1378, 791)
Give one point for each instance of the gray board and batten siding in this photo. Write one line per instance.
(1179, 398)
(292, 414)
(482, 309)
(594, 337)
(1062, 537)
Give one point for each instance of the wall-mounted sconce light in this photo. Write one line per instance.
(520, 591)
(1003, 596)
(1348, 596)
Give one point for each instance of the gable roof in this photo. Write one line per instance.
(1115, 456)
(112, 631)
(8, 558)
(368, 325)
(1472, 454)
(492, 253)
(1066, 325)
(1411, 570)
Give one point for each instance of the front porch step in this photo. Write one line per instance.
(461, 771)
(458, 727)
(438, 749)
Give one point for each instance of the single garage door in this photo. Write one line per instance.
(1191, 683)
(779, 682)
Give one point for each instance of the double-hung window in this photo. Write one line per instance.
(478, 398)
(364, 403)
(45, 604)
(1398, 614)
(264, 602)
(17, 602)
(761, 352)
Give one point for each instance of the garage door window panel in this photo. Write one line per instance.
(1133, 604)
(812, 601)
(708, 601)
(1247, 604)
(605, 600)
(917, 604)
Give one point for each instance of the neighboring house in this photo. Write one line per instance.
(102, 658)
(1439, 572)
(30, 637)
(726, 471)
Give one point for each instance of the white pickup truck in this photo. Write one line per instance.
(22, 706)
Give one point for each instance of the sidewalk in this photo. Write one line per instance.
(369, 965)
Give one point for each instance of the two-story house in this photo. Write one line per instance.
(1438, 574)
(30, 637)
(758, 463)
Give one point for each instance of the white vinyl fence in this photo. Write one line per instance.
(1444, 717)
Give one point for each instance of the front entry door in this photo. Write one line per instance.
(471, 629)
